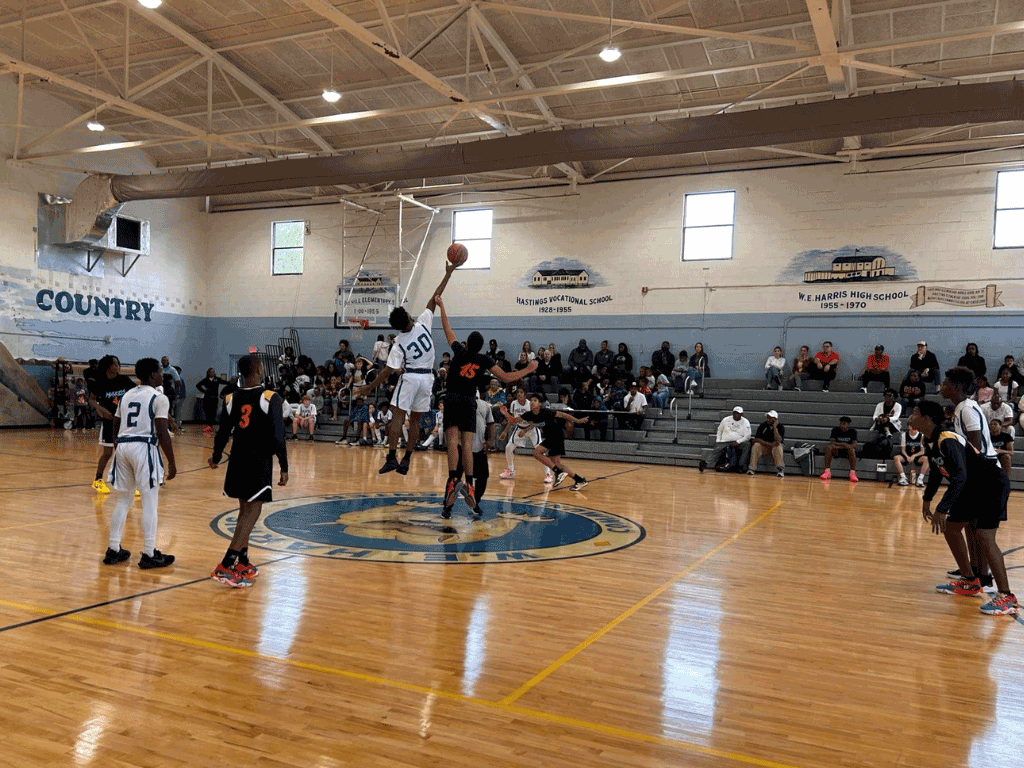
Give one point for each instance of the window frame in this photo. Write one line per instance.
(996, 209)
(490, 240)
(274, 248)
(731, 225)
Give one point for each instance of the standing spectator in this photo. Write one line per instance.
(824, 366)
(635, 403)
(773, 368)
(768, 440)
(801, 368)
(843, 440)
(171, 379)
(663, 360)
(381, 350)
(622, 363)
(699, 367)
(732, 440)
(912, 453)
(876, 369)
(1002, 441)
(1002, 412)
(971, 359)
(911, 391)
(210, 388)
(604, 356)
(1006, 386)
(926, 364)
(579, 364)
(80, 401)
(679, 370)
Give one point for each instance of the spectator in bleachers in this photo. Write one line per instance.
(911, 391)
(635, 403)
(381, 349)
(662, 361)
(773, 369)
(971, 359)
(983, 393)
(1002, 412)
(379, 424)
(926, 364)
(428, 421)
(359, 419)
(304, 417)
(622, 364)
(842, 441)
(596, 422)
(579, 364)
(434, 437)
(583, 396)
(886, 418)
(801, 368)
(732, 443)
(528, 351)
(492, 350)
(643, 383)
(699, 367)
(1006, 386)
(1009, 364)
(616, 396)
(911, 452)
(876, 369)
(680, 369)
(825, 365)
(604, 357)
(662, 392)
(546, 380)
(556, 357)
(440, 386)
(1002, 441)
(768, 441)
(317, 399)
(502, 363)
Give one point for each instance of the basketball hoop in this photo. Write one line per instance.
(357, 323)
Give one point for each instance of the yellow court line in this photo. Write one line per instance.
(56, 521)
(565, 658)
(607, 730)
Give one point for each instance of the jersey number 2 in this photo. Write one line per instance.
(133, 413)
(244, 421)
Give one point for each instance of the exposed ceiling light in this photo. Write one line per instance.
(150, 3)
(330, 95)
(610, 53)
(94, 125)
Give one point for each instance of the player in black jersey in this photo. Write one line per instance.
(552, 447)
(468, 372)
(109, 387)
(254, 416)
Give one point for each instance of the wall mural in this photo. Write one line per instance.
(552, 277)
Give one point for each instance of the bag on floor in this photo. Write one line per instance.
(803, 454)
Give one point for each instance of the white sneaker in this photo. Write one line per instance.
(549, 478)
(920, 481)
(508, 474)
(864, 390)
(902, 480)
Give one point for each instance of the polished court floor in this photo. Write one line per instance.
(757, 621)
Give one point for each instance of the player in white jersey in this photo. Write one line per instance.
(413, 354)
(520, 434)
(140, 424)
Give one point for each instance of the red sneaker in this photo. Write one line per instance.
(962, 587)
(229, 576)
(247, 571)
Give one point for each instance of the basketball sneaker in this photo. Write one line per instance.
(826, 475)
(467, 493)
(113, 557)
(1002, 605)
(389, 466)
(208, 430)
(853, 477)
(920, 481)
(403, 466)
(508, 474)
(559, 479)
(158, 560)
(578, 486)
(902, 480)
(548, 477)
(137, 494)
(247, 571)
(100, 487)
(961, 587)
(229, 576)
(451, 492)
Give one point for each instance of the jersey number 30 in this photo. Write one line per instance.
(420, 349)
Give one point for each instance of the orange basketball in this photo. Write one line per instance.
(457, 254)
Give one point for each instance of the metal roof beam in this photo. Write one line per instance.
(824, 34)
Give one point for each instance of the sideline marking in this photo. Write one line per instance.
(56, 521)
(565, 658)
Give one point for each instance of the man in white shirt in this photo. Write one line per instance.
(413, 354)
(304, 417)
(635, 403)
(734, 434)
(1000, 411)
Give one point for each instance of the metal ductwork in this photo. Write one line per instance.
(877, 113)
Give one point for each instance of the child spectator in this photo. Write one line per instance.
(911, 452)
(358, 418)
(984, 393)
(1002, 441)
(305, 417)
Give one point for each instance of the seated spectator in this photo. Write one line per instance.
(579, 364)
(597, 418)
(1002, 412)
(1011, 365)
(926, 364)
(635, 403)
(583, 396)
(773, 369)
(317, 400)
(616, 396)
(1002, 441)
(886, 418)
(842, 441)
(911, 391)
(876, 369)
(546, 376)
(971, 359)
(492, 351)
(435, 436)
(304, 417)
(911, 453)
(679, 371)
(528, 351)
(801, 368)
(824, 366)
(732, 444)
(556, 358)
(768, 440)
(360, 419)
(604, 357)
(563, 404)
(622, 363)
(440, 385)
(700, 367)
(1006, 386)
(984, 392)
(662, 361)
(662, 392)
(427, 423)
(502, 363)
(379, 423)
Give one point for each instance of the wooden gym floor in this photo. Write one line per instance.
(759, 622)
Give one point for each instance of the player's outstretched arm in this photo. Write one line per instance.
(448, 332)
(508, 378)
(569, 417)
(164, 436)
(449, 268)
(366, 389)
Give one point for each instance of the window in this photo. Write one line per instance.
(1009, 231)
(473, 229)
(287, 238)
(707, 226)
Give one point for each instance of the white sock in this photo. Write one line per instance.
(118, 517)
(149, 516)
(510, 452)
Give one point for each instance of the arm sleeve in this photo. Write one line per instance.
(720, 437)
(744, 431)
(281, 448)
(956, 468)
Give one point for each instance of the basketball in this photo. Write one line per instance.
(457, 254)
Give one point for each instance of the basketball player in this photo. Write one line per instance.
(552, 448)
(468, 374)
(254, 416)
(520, 434)
(976, 494)
(110, 387)
(413, 354)
(482, 437)
(140, 423)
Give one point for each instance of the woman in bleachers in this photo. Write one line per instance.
(528, 351)
(971, 359)
(773, 368)
(1006, 386)
(699, 366)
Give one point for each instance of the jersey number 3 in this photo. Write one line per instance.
(244, 421)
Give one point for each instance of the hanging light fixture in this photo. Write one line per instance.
(151, 3)
(610, 53)
(330, 95)
(95, 125)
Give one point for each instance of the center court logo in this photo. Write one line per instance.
(408, 528)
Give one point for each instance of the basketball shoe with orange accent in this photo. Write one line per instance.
(247, 570)
(962, 587)
(229, 576)
(467, 494)
(1002, 605)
